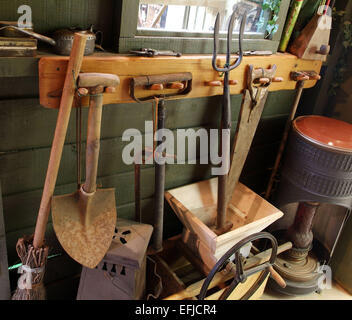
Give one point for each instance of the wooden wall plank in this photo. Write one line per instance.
(25, 170)
(32, 126)
(18, 88)
(21, 209)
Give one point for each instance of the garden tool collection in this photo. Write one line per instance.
(84, 222)
(225, 131)
(32, 252)
(254, 98)
(300, 77)
(180, 84)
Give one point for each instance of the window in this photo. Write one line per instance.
(194, 16)
(187, 25)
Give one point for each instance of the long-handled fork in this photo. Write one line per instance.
(221, 224)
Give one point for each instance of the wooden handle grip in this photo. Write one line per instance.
(176, 85)
(277, 79)
(264, 80)
(93, 79)
(73, 68)
(279, 280)
(215, 83)
(156, 86)
(83, 91)
(233, 82)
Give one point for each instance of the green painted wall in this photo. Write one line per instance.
(26, 132)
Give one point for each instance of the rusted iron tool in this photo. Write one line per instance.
(228, 273)
(237, 268)
(158, 82)
(300, 77)
(225, 135)
(148, 52)
(258, 82)
(84, 221)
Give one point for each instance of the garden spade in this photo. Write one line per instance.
(84, 221)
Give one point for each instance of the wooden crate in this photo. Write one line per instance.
(195, 206)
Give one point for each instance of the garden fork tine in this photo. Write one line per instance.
(227, 66)
(221, 223)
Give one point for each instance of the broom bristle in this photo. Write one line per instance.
(32, 258)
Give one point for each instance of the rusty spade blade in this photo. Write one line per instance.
(85, 225)
(84, 221)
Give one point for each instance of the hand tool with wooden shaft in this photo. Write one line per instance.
(300, 77)
(227, 274)
(222, 225)
(32, 252)
(84, 222)
(254, 98)
(157, 82)
(148, 52)
(237, 268)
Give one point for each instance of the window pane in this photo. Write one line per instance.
(199, 15)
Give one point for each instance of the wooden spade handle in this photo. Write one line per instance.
(73, 68)
(93, 141)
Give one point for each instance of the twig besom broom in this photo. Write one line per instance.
(32, 250)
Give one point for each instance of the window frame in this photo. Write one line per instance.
(186, 42)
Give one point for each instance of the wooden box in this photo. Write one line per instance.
(195, 206)
(121, 274)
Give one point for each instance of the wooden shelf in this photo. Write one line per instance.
(52, 70)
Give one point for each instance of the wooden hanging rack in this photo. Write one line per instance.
(52, 74)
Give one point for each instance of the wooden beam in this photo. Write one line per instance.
(52, 73)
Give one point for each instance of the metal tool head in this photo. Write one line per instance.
(227, 66)
(84, 224)
(148, 52)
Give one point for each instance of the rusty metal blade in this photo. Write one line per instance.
(248, 122)
(85, 226)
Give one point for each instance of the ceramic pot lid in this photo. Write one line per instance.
(329, 132)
